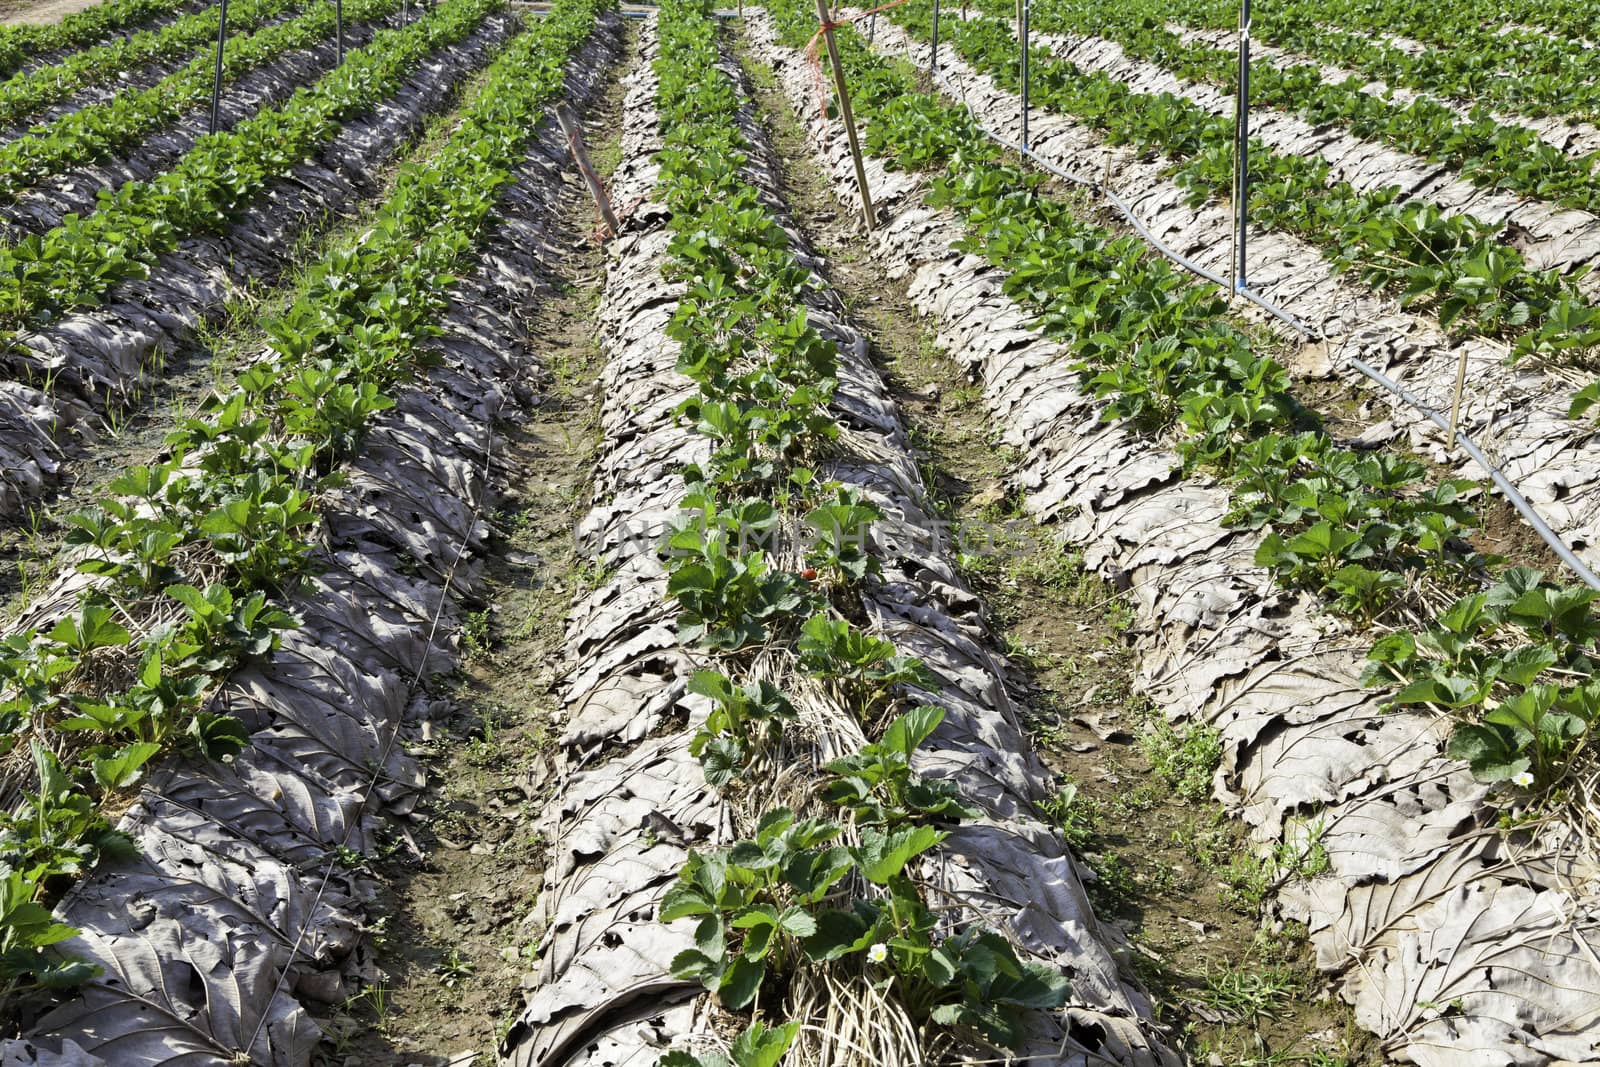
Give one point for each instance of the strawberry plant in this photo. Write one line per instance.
(743, 719)
(726, 600)
(1513, 664)
(756, 1046)
(877, 786)
(843, 527)
(864, 667)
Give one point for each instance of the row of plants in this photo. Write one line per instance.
(1367, 532)
(770, 554)
(1454, 267)
(1484, 151)
(192, 558)
(77, 263)
(1572, 18)
(1474, 59)
(26, 94)
(101, 131)
(20, 43)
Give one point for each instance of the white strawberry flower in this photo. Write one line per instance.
(878, 953)
(1524, 780)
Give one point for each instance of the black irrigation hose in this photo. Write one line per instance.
(1509, 490)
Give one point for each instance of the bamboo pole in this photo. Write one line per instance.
(845, 113)
(597, 189)
(1455, 401)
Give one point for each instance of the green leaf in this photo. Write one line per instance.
(150, 671)
(910, 730)
(1523, 665)
(813, 874)
(881, 856)
(1272, 551)
(754, 916)
(124, 767)
(938, 967)
(774, 823)
(89, 629)
(1583, 400)
(749, 856)
(682, 900)
(713, 684)
(65, 974)
(191, 598)
(216, 735)
(694, 964)
(708, 937)
(757, 941)
(759, 1046)
(722, 758)
(25, 927)
(741, 983)
(1489, 750)
(797, 921)
(1450, 692)
(1040, 987)
(841, 933)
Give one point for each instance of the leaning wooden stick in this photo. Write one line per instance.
(1455, 401)
(846, 114)
(597, 189)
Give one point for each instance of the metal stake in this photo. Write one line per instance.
(1022, 34)
(845, 113)
(1241, 151)
(338, 27)
(216, 82)
(933, 61)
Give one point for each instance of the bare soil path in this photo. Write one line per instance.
(454, 944)
(41, 12)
